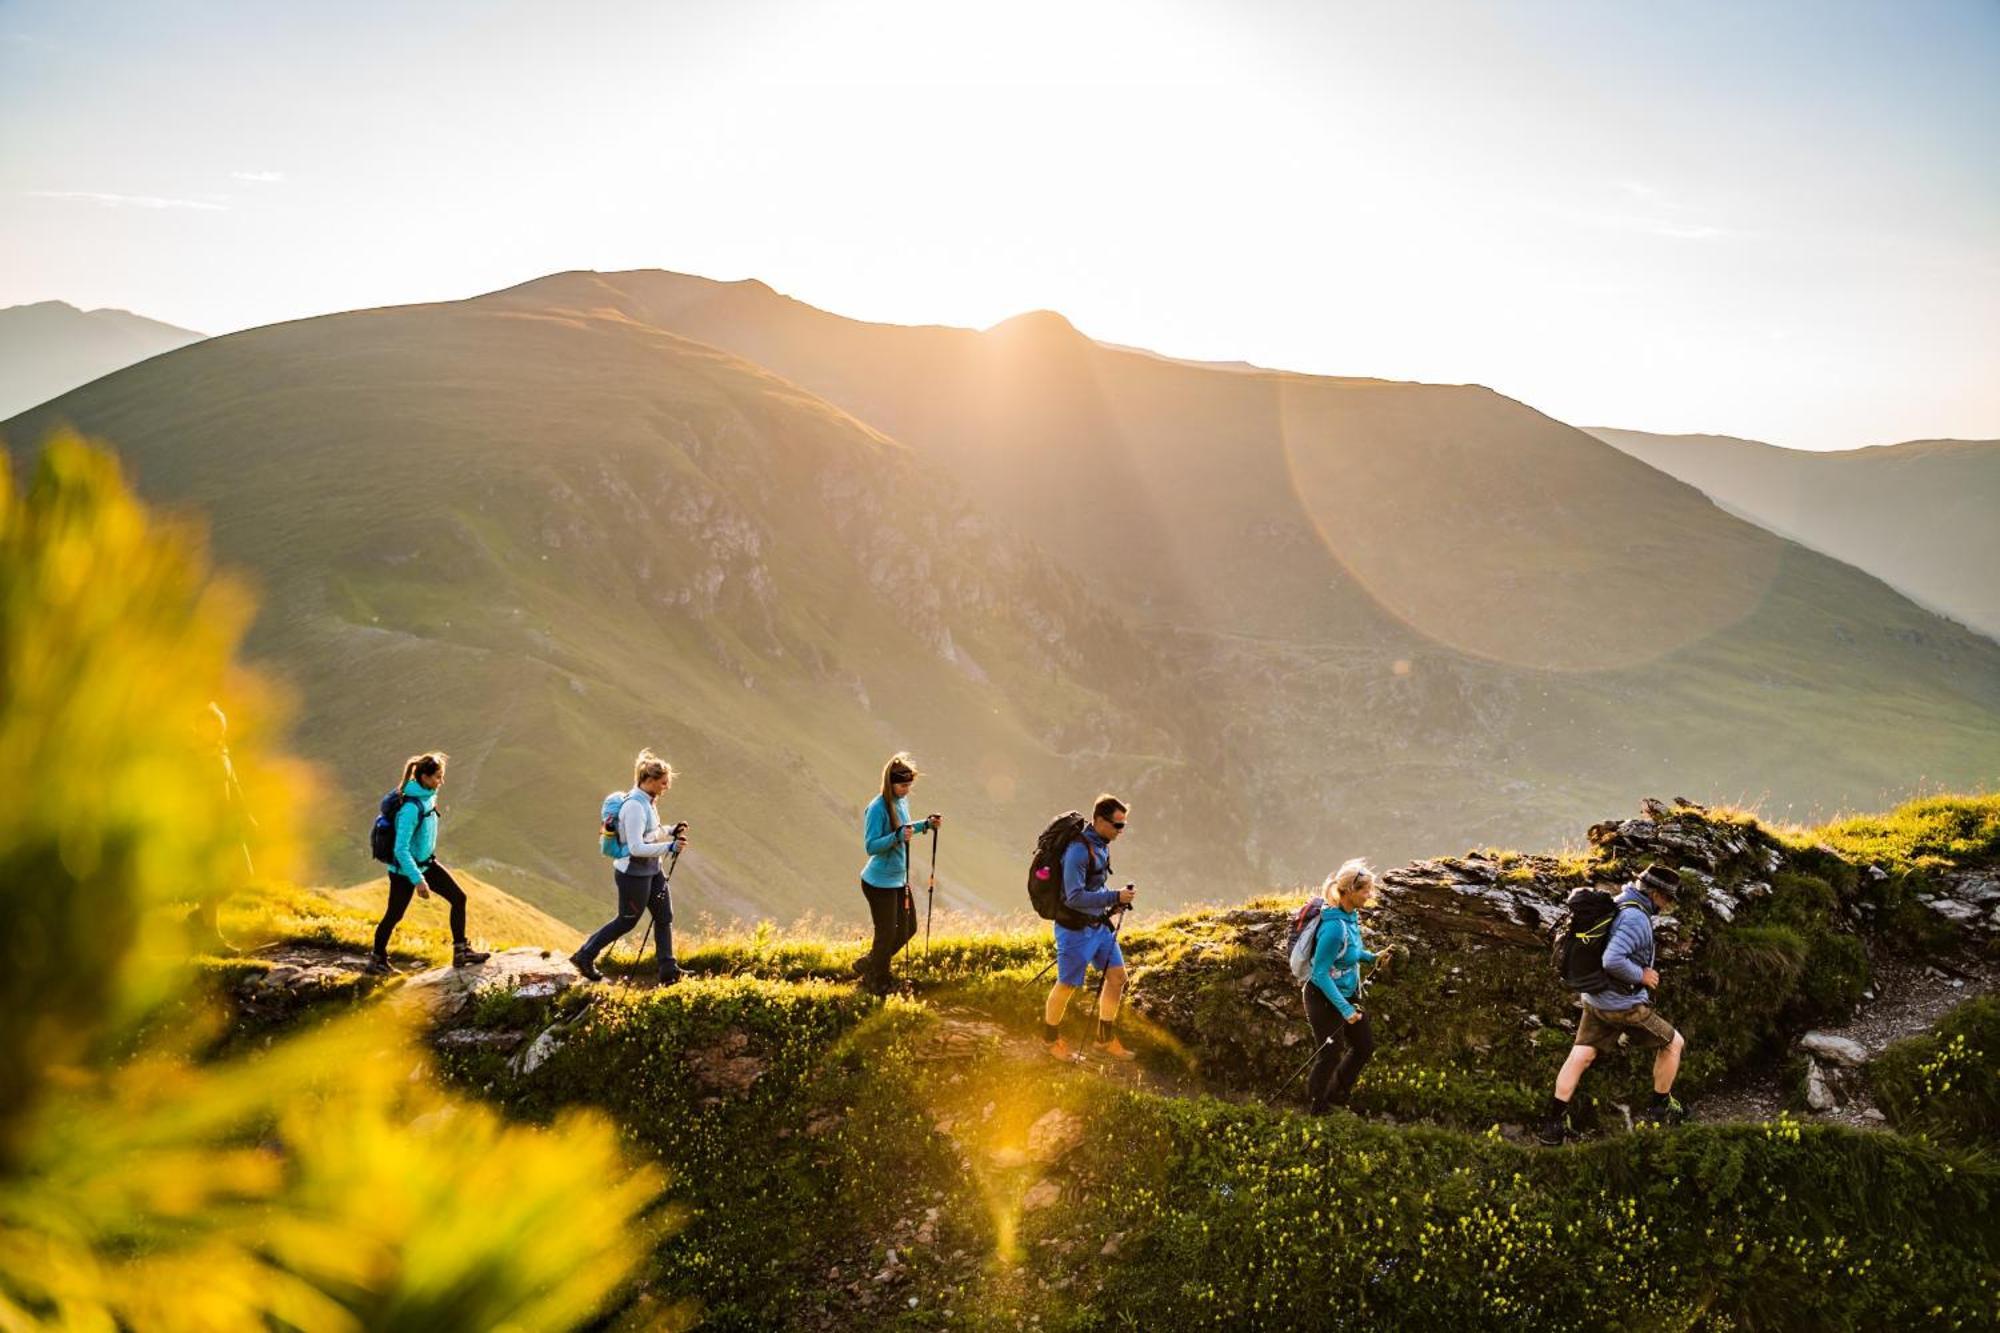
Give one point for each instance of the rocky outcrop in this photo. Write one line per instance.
(445, 993)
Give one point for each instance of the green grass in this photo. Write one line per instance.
(1946, 1083)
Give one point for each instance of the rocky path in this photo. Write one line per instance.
(1908, 999)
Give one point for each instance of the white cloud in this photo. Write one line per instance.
(129, 200)
(258, 177)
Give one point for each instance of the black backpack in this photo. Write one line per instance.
(382, 833)
(1578, 940)
(1045, 872)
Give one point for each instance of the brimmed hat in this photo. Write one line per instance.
(1660, 880)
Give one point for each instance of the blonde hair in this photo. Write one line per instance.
(649, 765)
(423, 765)
(1344, 879)
(900, 768)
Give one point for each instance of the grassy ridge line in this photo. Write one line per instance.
(860, 1121)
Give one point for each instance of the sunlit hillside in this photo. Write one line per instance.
(1292, 618)
(1429, 614)
(543, 541)
(1923, 516)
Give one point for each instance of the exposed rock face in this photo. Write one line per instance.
(1473, 995)
(725, 1070)
(1970, 902)
(447, 992)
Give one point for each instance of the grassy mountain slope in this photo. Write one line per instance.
(540, 540)
(1428, 614)
(50, 347)
(1919, 516)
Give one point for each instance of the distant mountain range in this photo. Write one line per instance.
(1292, 618)
(51, 347)
(1923, 517)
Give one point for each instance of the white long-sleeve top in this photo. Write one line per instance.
(638, 828)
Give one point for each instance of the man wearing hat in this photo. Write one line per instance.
(1625, 1009)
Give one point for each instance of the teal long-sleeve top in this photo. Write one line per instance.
(1337, 957)
(888, 859)
(416, 831)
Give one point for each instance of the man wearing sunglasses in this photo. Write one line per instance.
(1085, 936)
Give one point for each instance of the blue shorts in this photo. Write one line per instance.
(1077, 951)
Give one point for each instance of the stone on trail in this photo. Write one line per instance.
(1054, 1135)
(1840, 1050)
(446, 992)
(1818, 1095)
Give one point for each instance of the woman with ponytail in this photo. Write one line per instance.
(886, 832)
(413, 866)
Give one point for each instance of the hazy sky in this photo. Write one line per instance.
(1759, 218)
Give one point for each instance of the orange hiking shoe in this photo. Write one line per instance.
(1060, 1050)
(1113, 1050)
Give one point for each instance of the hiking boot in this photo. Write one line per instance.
(673, 978)
(586, 967)
(1664, 1114)
(860, 965)
(1113, 1050)
(379, 966)
(1060, 1050)
(464, 955)
(1551, 1134)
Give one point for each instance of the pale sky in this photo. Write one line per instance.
(1777, 220)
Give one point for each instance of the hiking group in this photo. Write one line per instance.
(1603, 946)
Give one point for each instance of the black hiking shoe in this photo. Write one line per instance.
(1664, 1114)
(464, 955)
(673, 978)
(380, 966)
(584, 965)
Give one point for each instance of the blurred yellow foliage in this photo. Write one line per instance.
(325, 1183)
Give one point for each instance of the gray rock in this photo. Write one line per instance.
(1954, 911)
(1978, 889)
(1818, 1095)
(1756, 889)
(1840, 1050)
(446, 992)
(537, 1053)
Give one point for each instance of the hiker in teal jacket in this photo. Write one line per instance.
(1346, 1041)
(886, 833)
(413, 867)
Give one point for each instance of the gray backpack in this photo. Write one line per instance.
(1305, 937)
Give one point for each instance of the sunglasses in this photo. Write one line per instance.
(1115, 823)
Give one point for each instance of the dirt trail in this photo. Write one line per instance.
(1910, 998)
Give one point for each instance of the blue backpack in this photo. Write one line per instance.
(382, 833)
(609, 841)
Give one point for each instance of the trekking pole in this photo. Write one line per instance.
(930, 894)
(1359, 989)
(1302, 1068)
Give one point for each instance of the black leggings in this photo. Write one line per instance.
(894, 912)
(1338, 1064)
(401, 890)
